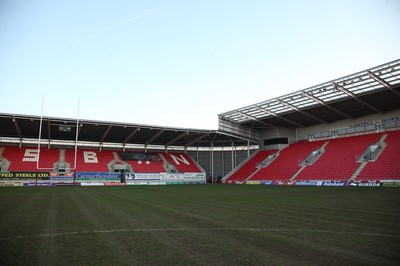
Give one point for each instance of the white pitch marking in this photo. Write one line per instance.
(196, 229)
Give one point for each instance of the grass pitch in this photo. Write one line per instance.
(199, 225)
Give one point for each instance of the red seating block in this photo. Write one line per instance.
(250, 166)
(26, 159)
(387, 165)
(288, 161)
(89, 160)
(339, 161)
(182, 162)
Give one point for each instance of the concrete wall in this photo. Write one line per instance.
(274, 133)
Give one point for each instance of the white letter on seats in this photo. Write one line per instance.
(30, 155)
(178, 160)
(90, 157)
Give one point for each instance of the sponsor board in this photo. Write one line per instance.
(130, 176)
(195, 183)
(307, 184)
(283, 183)
(390, 184)
(253, 182)
(65, 174)
(91, 184)
(68, 184)
(11, 184)
(184, 176)
(24, 176)
(39, 184)
(97, 175)
(114, 184)
(143, 183)
(266, 183)
(364, 184)
(57, 178)
(138, 176)
(331, 184)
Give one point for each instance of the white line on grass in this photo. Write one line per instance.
(197, 229)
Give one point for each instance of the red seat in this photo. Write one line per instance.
(26, 159)
(387, 165)
(182, 162)
(339, 161)
(250, 166)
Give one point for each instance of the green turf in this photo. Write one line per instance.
(199, 225)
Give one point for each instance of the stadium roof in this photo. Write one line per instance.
(63, 129)
(372, 91)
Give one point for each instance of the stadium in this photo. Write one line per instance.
(176, 132)
(344, 131)
(298, 151)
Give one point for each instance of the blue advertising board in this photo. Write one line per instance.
(97, 175)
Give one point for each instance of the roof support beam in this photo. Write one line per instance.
(172, 141)
(301, 111)
(383, 82)
(17, 128)
(106, 133)
(312, 97)
(255, 119)
(202, 136)
(130, 136)
(279, 116)
(150, 140)
(349, 93)
(238, 137)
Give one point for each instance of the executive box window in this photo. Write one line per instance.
(268, 142)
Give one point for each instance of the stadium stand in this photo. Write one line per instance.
(288, 162)
(387, 165)
(339, 160)
(25, 159)
(249, 167)
(90, 160)
(147, 166)
(181, 161)
(346, 127)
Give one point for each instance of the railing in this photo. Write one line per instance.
(359, 129)
(236, 129)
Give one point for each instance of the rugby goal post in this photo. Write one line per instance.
(40, 138)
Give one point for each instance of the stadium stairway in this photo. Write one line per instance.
(339, 162)
(4, 163)
(320, 151)
(387, 164)
(339, 159)
(248, 167)
(288, 162)
(382, 144)
(26, 159)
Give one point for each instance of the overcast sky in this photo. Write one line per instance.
(181, 63)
